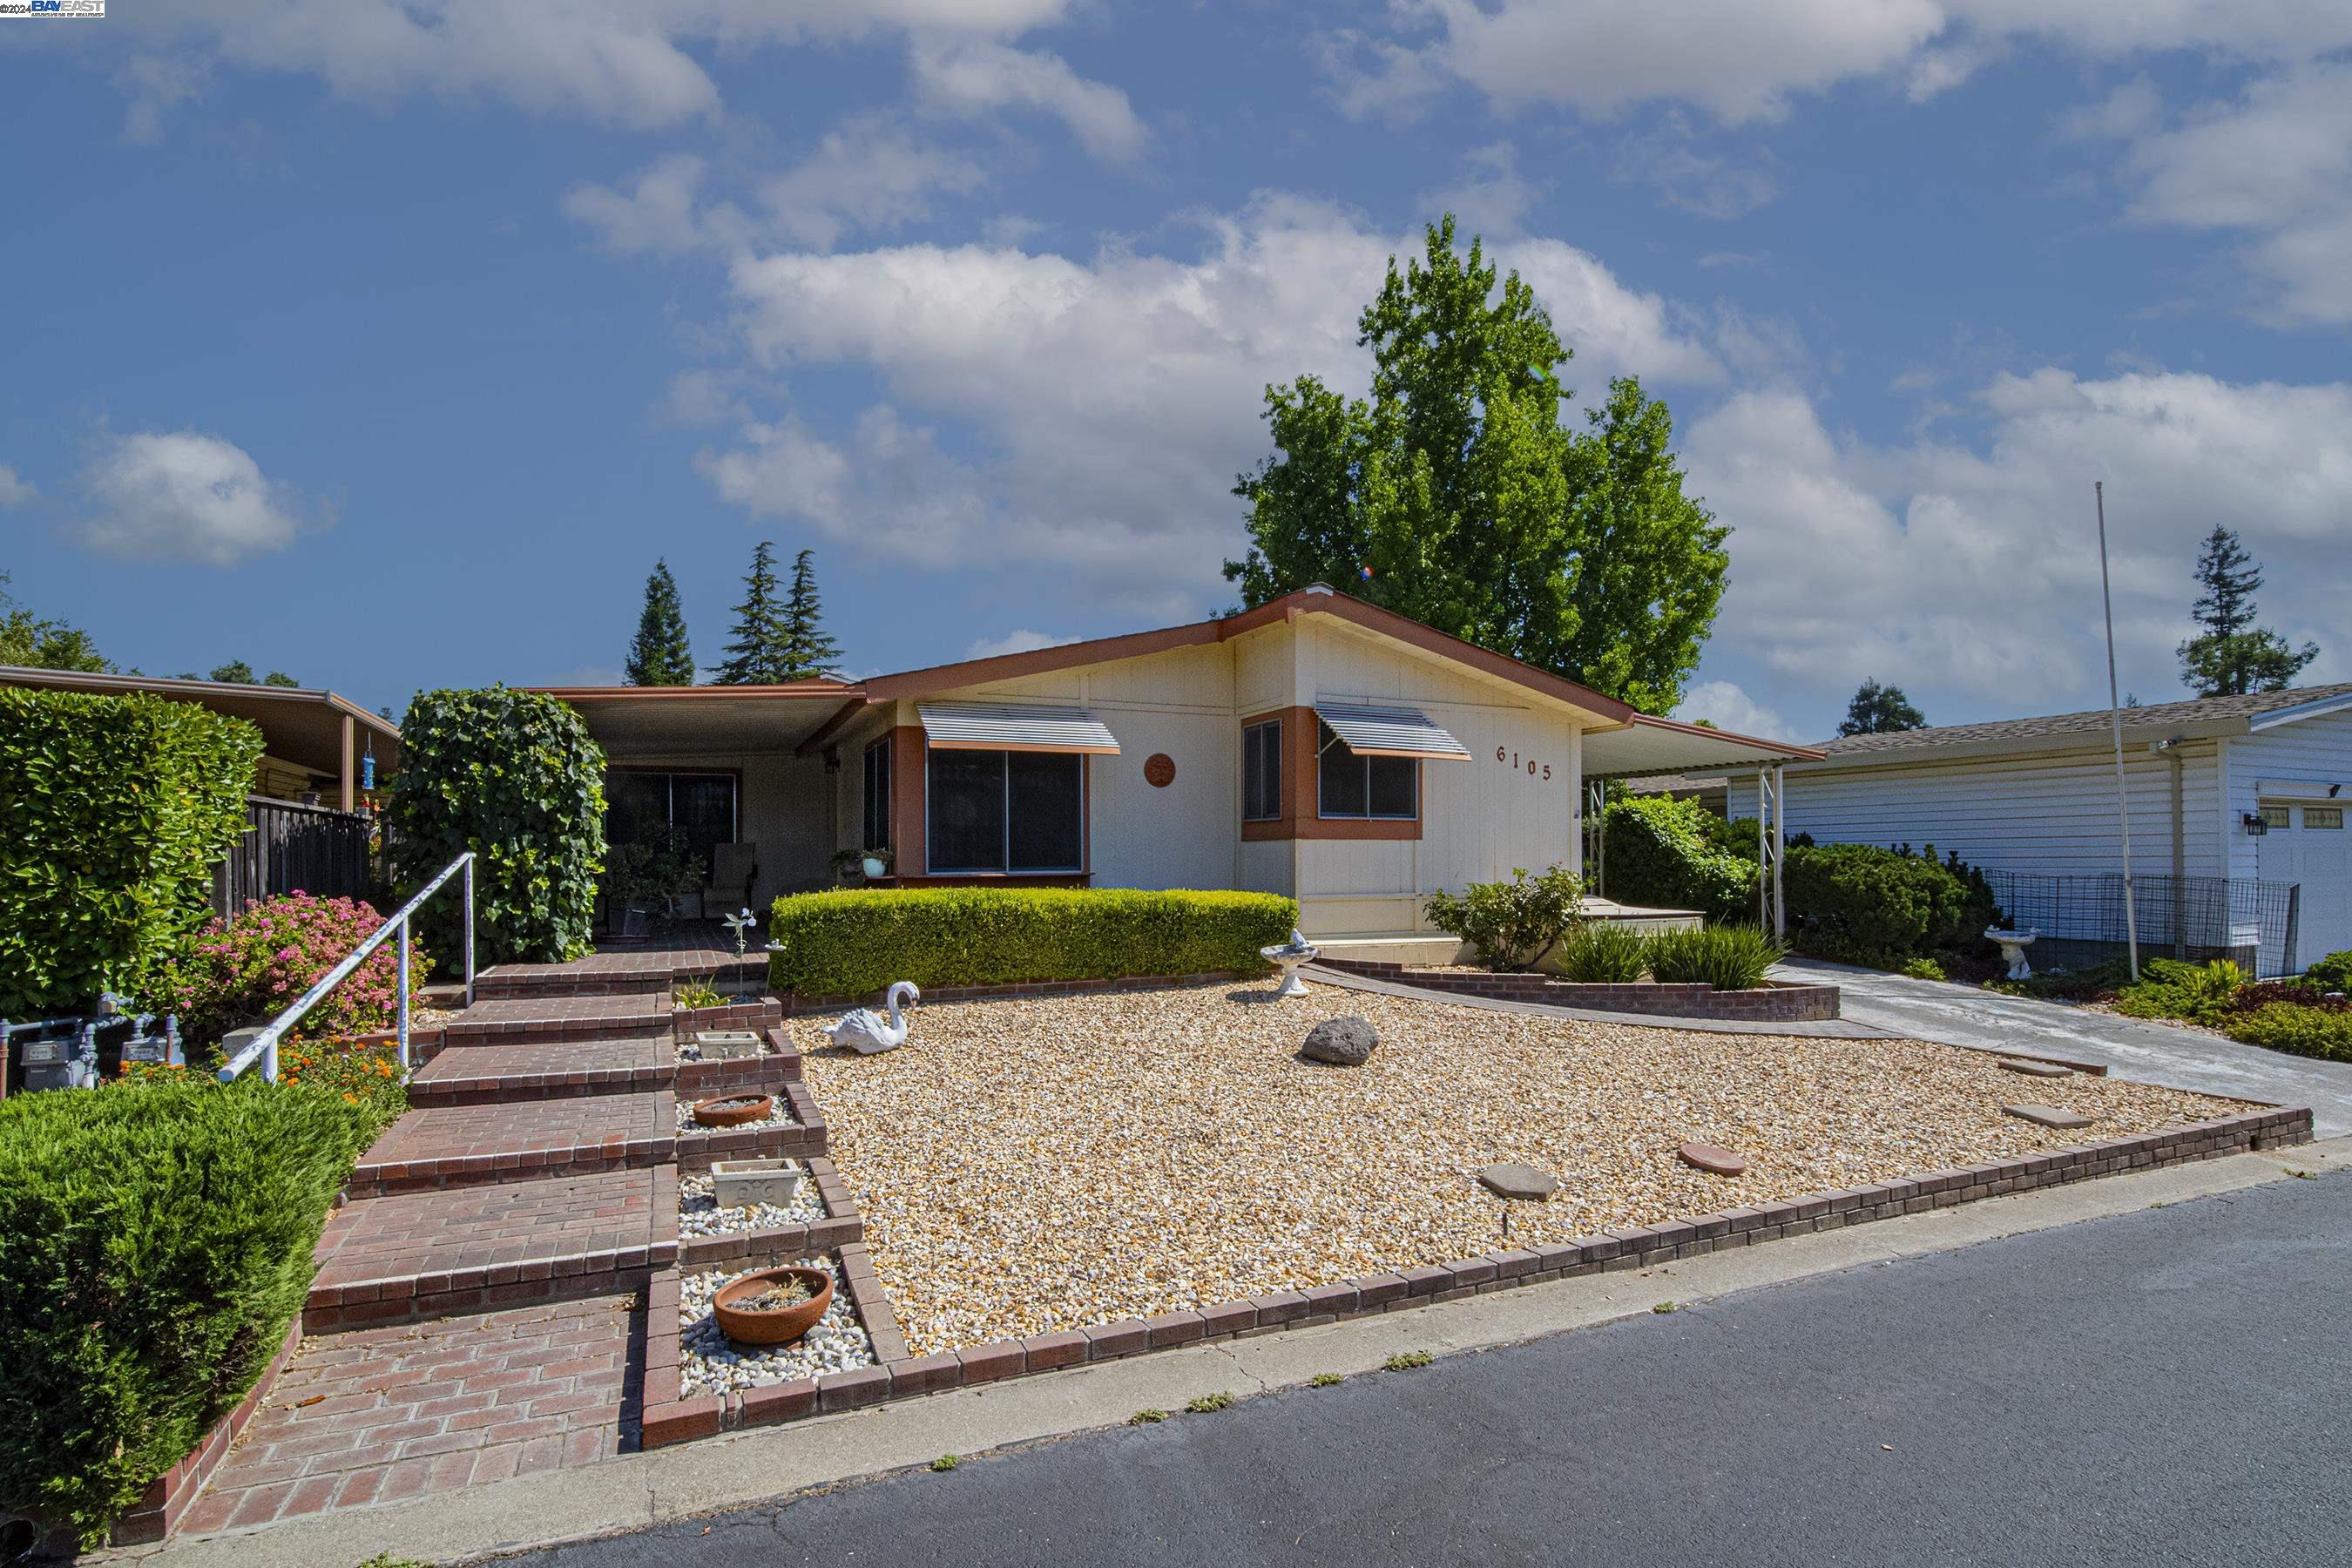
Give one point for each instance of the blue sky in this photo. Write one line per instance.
(389, 344)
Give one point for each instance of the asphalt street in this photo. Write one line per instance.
(2170, 1386)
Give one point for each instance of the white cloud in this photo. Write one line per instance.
(655, 216)
(1727, 706)
(628, 61)
(1014, 642)
(1704, 185)
(1090, 413)
(1974, 573)
(868, 175)
(1743, 60)
(2276, 165)
(14, 491)
(978, 77)
(1492, 197)
(183, 496)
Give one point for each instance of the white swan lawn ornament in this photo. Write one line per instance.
(867, 1032)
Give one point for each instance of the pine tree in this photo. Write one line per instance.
(1880, 709)
(661, 656)
(2234, 655)
(807, 649)
(758, 656)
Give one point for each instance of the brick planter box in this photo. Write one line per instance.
(686, 1022)
(696, 1150)
(840, 1227)
(1774, 1001)
(780, 1064)
(902, 1375)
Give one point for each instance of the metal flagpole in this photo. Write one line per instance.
(2116, 723)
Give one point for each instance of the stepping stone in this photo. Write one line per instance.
(1714, 1161)
(2048, 1115)
(2035, 1069)
(1517, 1181)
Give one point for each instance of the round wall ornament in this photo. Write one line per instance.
(1159, 770)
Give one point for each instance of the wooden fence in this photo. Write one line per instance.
(290, 848)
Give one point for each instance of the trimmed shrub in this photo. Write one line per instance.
(855, 942)
(2332, 972)
(2168, 988)
(248, 969)
(1858, 903)
(1512, 924)
(155, 1244)
(1728, 957)
(1604, 952)
(2306, 1031)
(1921, 969)
(1663, 853)
(514, 777)
(112, 812)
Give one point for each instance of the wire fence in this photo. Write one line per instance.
(2081, 918)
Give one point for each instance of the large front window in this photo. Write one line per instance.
(684, 811)
(1349, 784)
(1011, 812)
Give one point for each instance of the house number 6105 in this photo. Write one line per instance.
(1510, 759)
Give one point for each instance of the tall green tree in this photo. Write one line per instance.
(758, 656)
(2234, 656)
(1879, 710)
(1455, 494)
(660, 654)
(237, 672)
(32, 642)
(809, 649)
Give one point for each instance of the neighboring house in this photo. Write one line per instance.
(1317, 746)
(2250, 788)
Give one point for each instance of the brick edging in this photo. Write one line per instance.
(1629, 1248)
(796, 1004)
(1773, 1002)
(157, 1511)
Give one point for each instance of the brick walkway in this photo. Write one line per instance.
(478, 1311)
(385, 1414)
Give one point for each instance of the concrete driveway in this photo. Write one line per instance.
(2152, 1053)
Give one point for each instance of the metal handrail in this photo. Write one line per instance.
(263, 1045)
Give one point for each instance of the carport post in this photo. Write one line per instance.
(1779, 846)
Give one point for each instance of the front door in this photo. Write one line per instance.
(2312, 846)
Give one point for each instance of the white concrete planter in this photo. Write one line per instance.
(739, 1184)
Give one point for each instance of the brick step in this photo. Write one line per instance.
(512, 1021)
(619, 974)
(439, 1146)
(381, 1414)
(425, 1255)
(563, 1070)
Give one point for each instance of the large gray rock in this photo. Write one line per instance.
(1342, 1042)
(1517, 1181)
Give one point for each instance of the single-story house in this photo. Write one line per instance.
(2248, 790)
(1317, 746)
(314, 742)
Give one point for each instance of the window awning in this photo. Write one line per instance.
(1391, 732)
(989, 727)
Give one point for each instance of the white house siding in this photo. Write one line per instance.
(2052, 812)
(2308, 751)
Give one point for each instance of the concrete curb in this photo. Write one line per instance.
(773, 1464)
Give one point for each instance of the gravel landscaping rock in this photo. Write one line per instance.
(781, 1116)
(1342, 1042)
(698, 1213)
(2033, 1069)
(1035, 1164)
(709, 1361)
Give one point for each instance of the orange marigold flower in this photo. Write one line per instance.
(350, 1099)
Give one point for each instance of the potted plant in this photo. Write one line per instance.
(772, 1306)
(876, 864)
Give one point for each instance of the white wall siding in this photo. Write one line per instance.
(2310, 750)
(2052, 813)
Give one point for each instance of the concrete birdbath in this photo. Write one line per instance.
(2013, 944)
(1288, 957)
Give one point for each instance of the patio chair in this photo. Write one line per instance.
(734, 868)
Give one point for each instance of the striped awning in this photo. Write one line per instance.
(1391, 732)
(992, 727)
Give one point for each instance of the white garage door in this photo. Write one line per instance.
(2313, 846)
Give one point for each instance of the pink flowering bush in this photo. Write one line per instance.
(253, 966)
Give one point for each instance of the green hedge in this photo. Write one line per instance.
(855, 942)
(1665, 854)
(113, 812)
(155, 1244)
(513, 776)
(1858, 903)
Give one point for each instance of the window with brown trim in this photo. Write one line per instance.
(1261, 771)
(1006, 812)
(1349, 784)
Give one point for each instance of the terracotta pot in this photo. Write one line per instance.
(733, 1110)
(780, 1327)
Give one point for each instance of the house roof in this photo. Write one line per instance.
(2193, 719)
(298, 724)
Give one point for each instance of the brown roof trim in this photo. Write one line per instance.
(170, 686)
(1317, 600)
(827, 729)
(1794, 751)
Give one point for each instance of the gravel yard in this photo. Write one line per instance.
(1029, 1166)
